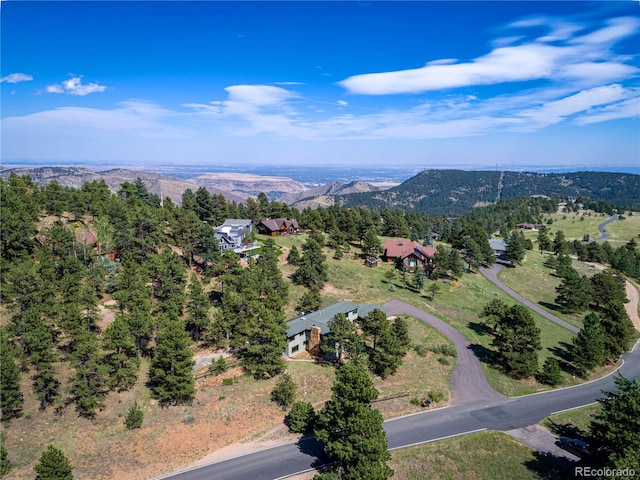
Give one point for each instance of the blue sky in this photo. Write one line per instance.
(513, 85)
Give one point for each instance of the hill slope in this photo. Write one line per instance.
(454, 192)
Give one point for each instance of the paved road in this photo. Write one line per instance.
(502, 414)
(602, 228)
(492, 275)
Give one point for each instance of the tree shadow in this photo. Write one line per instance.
(565, 357)
(484, 354)
(551, 467)
(566, 430)
(312, 447)
(480, 328)
(550, 306)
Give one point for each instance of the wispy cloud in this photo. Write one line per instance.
(556, 56)
(74, 86)
(16, 77)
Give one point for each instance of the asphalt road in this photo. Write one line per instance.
(498, 414)
(602, 228)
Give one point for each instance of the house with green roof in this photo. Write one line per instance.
(305, 332)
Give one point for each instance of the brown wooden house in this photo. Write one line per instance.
(278, 226)
(409, 255)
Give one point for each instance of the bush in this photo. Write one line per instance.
(436, 396)
(284, 393)
(444, 361)
(227, 381)
(219, 366)
(446, 349)
(301, 418)
(422, 350)
(134, 417)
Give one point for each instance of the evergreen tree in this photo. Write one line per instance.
(10, 397)
(121, 358)
(589, 345)
(607, 289)
(310, 301)
(574, 292)
(135, 417)
(418, 280)
(342, 337)
(550, 373)
(294, 256)
(560, 246)
(313, 270)
(53, 465)
(88, 383)
(544, 243)
(615, 429)
(371, 244)
(375, 325)
(517, 340)
(618, 329)
(284, 392)
(387, 357)
(301, 418)
(515, 251)
(5, 464)
(351, 430)
(198, 304)
(171, 374)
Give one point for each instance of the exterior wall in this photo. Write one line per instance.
(297, 343)
(314, 341)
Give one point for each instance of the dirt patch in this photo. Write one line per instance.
(107, 314)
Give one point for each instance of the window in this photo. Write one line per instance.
(295, 349)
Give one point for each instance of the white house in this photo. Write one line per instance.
(233, 233)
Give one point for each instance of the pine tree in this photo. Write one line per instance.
(53, 465)
(550, 373)
(589, 345)
(375, 325)
(419, 280)
(517, 340)
(342, 337)
(294, 256)
(371, 244)
(88, 383)
(615, 430)
(134, 417)
(10, 397)
(284, 392)
(310, 301)
(198, 304)
(171, 374)
(515, 251)
(560, 246)
(619, 330)
(574, 293)
(121, 358)
(351, 430)
(301, 418)
(5, 464)
(313, 270)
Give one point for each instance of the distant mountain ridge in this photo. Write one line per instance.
(454, 192)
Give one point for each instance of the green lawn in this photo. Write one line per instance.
(573, 423)
(458, 303)
(477, 456)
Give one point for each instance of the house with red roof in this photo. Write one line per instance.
(409, 255)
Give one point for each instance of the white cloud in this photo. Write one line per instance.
(16, 77)
(625, 109)
(556, 111)
(585, 59)
(342, 103)
(74, 86)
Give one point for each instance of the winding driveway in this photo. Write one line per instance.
(468, 382)
(604, 235)
(492, 275)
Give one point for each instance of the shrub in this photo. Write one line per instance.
(301, 417)
(436, 396)
(422, 350)
(219, 366)
(284, 393)
(134, 417)
(227, 381)
(53, 465)
(444, 361)
(445, 349)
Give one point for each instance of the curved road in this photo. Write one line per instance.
(492, 275)
(604, 235)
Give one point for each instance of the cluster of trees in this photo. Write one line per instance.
(379, 342)
(515, 337)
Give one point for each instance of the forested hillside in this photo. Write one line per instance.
(454, 192)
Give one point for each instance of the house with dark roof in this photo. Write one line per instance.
(233, 233)
(529, 226)
(306, 331)
(278, 226)
(409, 255)
(499, 248)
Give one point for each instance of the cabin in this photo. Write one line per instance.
(499, 248)
(305, 332)
(409, 255)
(278, 226)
